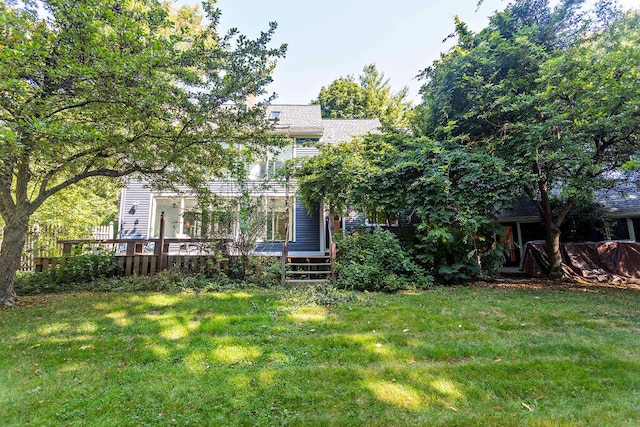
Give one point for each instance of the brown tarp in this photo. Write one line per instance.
(594, 262)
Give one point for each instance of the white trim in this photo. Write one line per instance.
(293, 219)
(520, 244)
(123, 198)
(323, 231)
(632, 231)
(152, 210)
(149, 214)
(181, 216)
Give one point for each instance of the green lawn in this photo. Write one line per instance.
(449, 356)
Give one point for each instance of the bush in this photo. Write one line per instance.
(166, 281)
(173, 280)
(375, 261)
(263, 271)
(69, 273)
(88, 272)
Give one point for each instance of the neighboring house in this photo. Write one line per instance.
(522, 222)
(140, 206)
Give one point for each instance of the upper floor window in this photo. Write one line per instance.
(274, 115)
(301, 141)
(273, 163)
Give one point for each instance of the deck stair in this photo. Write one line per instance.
(307, 270)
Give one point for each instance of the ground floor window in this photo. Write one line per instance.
(184, 218)
(379, 217)
(276, 220)
(222, 218)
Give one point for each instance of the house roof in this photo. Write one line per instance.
(623, 200)
(306, 120)
(523, 208)
(296, 118)
(337, 130)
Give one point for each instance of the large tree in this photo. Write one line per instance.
(448, 194)
(369, 96)
(554, 93)
(114, 88)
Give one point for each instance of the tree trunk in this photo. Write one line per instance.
(15, 232)
(553, 251)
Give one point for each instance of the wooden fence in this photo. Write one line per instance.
(102, 232)
(42, 241)
(147, 256)
(135, 256)
(143, 265)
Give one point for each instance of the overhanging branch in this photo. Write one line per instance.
(104, 172)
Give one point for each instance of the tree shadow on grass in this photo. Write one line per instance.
(252, 358)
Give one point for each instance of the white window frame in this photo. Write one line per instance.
(292, 219)
(181, 213)
(378, 224)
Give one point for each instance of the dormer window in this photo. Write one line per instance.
(274, 115)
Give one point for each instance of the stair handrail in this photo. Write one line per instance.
(285, 244)
(332, 245)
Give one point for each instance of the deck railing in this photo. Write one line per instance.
(147, 256)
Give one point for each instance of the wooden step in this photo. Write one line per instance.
(307, 281)
(302, 264)
(306, 272)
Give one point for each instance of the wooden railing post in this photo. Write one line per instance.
(131, 248)
(66, 248)
(160, 248)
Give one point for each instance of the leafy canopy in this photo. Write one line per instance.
(368, 97)
(114, 88)
(445, 196)
(552, 92)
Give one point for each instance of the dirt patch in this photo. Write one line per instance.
(537, 283)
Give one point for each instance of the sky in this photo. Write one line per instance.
(334, 38)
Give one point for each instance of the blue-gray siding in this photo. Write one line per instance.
(307, 233)
(135, 210)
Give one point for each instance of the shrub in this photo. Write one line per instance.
(88, 272)
(375, 261)
(69, 273)
(263, 271)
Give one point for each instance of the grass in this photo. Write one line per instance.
(448, 356)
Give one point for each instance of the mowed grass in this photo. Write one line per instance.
(448, 356)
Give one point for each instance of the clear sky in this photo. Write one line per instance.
(328, 39)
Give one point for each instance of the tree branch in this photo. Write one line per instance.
(79, 105)
(565, 211)
(110, 173)
(528, 189)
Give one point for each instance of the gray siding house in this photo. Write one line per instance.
(140, 206)
(622, 206)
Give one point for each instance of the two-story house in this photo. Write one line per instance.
(141, 206)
